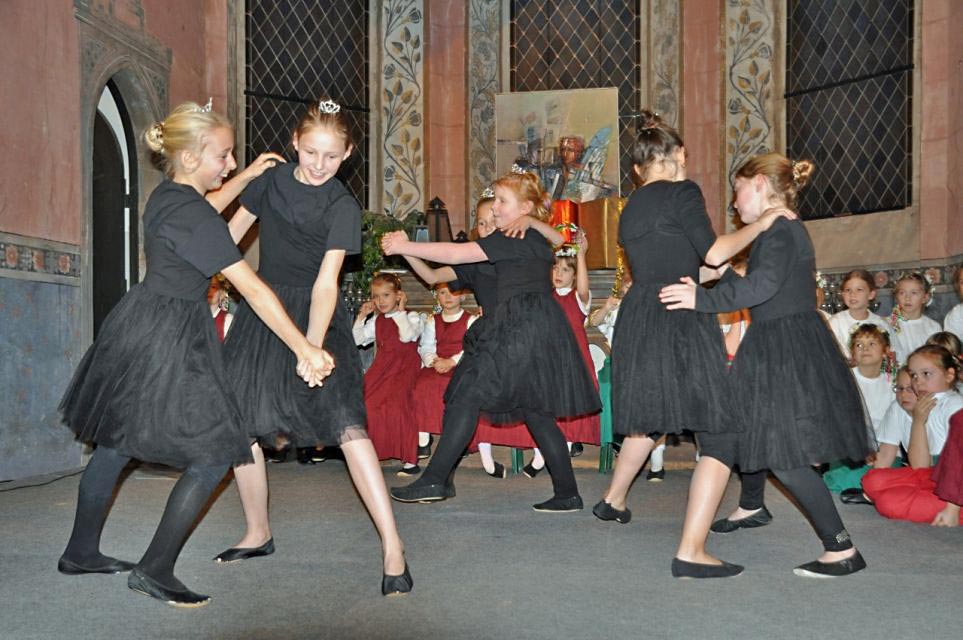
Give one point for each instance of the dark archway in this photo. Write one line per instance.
(114, 206)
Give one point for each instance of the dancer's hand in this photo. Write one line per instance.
(769, 216)
(443, 365)
(948, 517)
(394, 242)
(679, 296)
(263, 162)
(517, 228)
(315, 365)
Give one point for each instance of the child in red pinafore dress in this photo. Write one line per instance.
(440, 349)
(388, 382)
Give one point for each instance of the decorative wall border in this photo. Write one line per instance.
(39, 260)
(402, 106)
(484, 60)
(661, 36)
(750, 72)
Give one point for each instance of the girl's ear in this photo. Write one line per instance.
(294, 142)
(872, 294)
(526, 207)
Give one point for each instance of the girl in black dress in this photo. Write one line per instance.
(153, 386)
(309, 222)
(797, 403)
(521, 360)
(665, 367)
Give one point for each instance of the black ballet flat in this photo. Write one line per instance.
(425, 451)
(577, 449)
(423, 493)
(143, 583)
(604, 511)
(407, 472)
(530, 471)
(236, 554)
(559, 505)
(854, 495)
(844, 567)
(397, 585)
(499, 471)
(109, 565)
(759, 519)
(684, 569)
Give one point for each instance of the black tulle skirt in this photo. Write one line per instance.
(523, 356)
(668, 369)
(153, 386)
(796, 396)
(273, 399)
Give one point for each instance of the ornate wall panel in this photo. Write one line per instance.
(662, 64)
(752, 36)
(484, 62)
(402, 106)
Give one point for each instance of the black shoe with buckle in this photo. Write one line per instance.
(844, 567)
(759, 519)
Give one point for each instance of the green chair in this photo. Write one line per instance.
(607, 452)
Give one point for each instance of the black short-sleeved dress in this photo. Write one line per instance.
(667, 366)
(298, 224)
(522, 354)
(796, 398)
(153, 385)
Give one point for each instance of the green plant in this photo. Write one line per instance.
(373, 226)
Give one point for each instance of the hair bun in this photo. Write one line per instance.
(154, 136)
(801, 171)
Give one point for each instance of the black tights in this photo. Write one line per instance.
(813, 497)
(459, 426)
(190, 494)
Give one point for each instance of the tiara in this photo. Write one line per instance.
(329, 106)
(517, 168)
(206, 108)
(487, 193)
(567, 251)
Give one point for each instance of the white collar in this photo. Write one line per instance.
(563, 291)
(453, 318)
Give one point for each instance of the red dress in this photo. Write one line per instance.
(584, 428)
(905, 493)
(387, 389)
(428, 393)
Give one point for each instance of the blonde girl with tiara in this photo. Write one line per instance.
(522, 361)
(309, 222)
(909, 327)
(858, 289)
(154, 385)
(797, 404)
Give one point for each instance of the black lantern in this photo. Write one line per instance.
(436, 219)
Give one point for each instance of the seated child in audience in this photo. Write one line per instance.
(895, 492)
(909, 327)
(954, 319)
(951, 342)
(440, 349)
(388, 381)
(858, 289)
(874, 372)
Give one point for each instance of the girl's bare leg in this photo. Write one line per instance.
(370, 483)
(632, 455)
(705, 493)
(252, 486)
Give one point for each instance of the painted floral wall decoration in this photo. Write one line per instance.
(402, 106)
(749, 81)
(484, 18)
